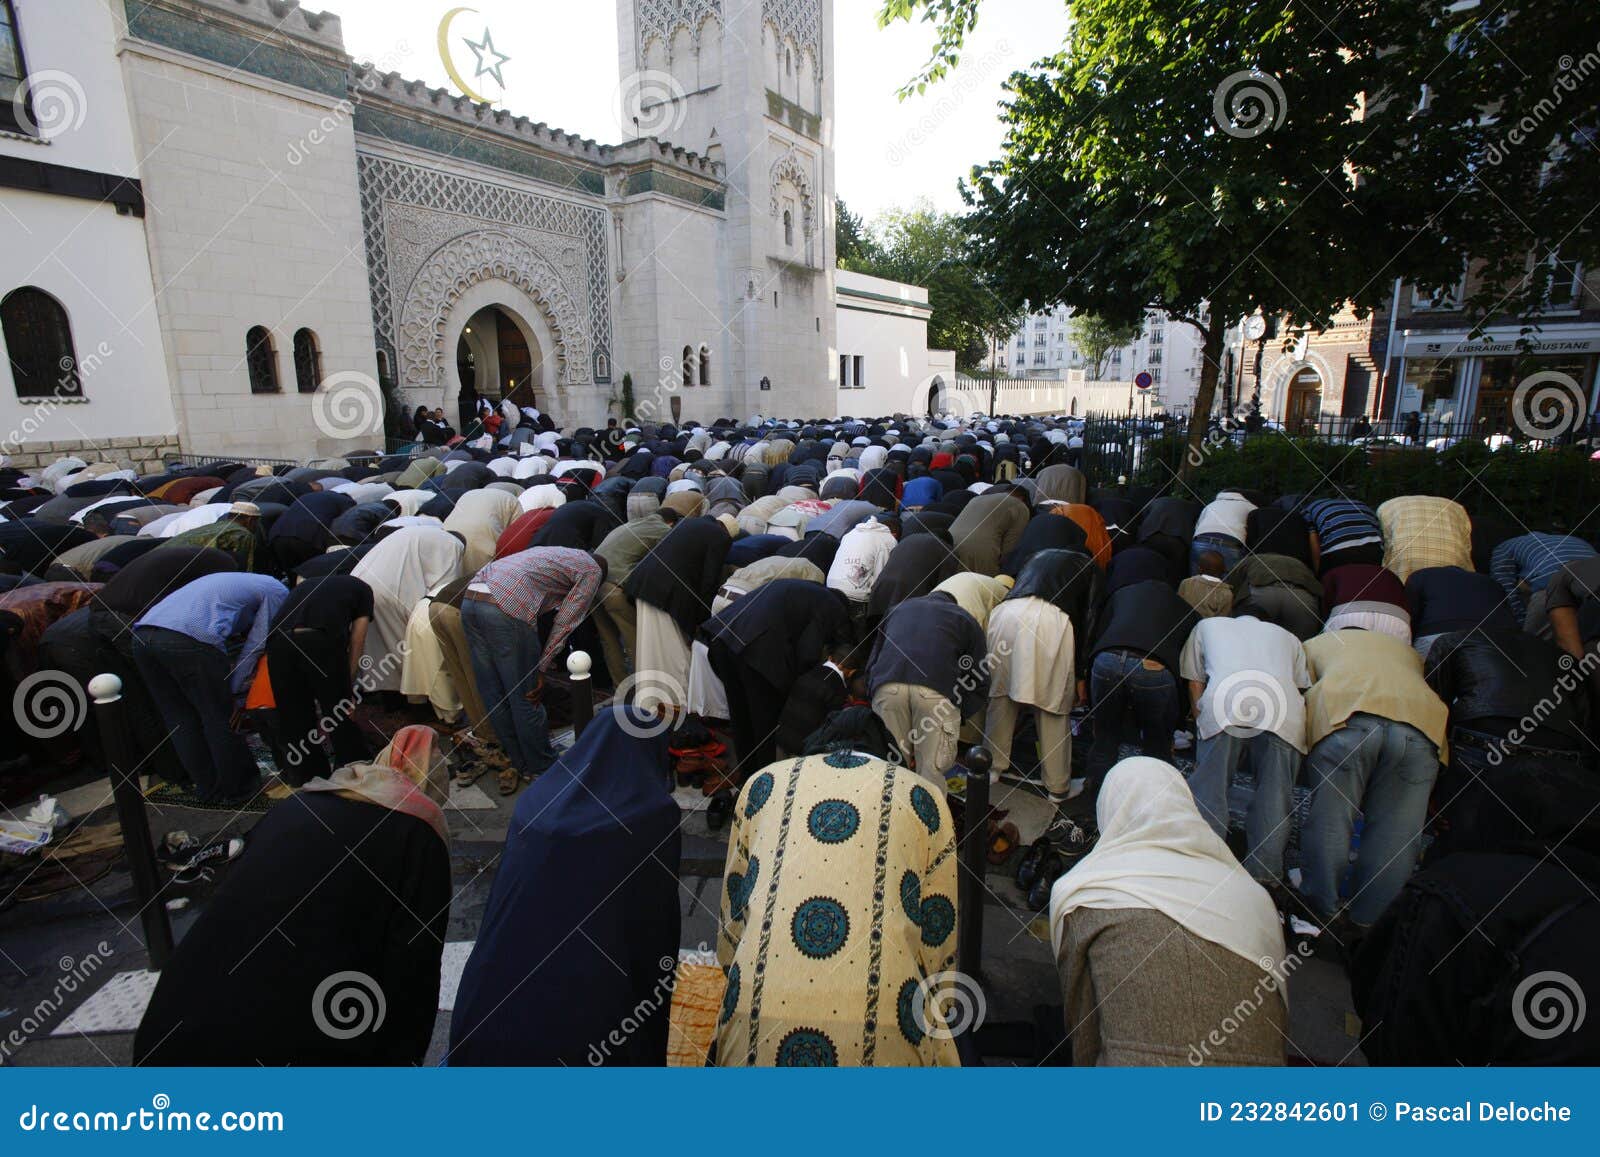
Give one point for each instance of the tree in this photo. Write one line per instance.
(852, 243)
(925, 247)
(1095, 338)
(1175, 153)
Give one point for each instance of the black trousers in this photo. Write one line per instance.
(116, 646)
(310, 672)
(755, 707)
(189, 681)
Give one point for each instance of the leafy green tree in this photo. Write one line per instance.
(852, 242)
(923, 246)
(1212, 158)
(1095, 338)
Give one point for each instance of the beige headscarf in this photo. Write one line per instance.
(411, 776)
(1157, 852)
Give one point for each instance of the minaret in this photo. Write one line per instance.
(750, 85)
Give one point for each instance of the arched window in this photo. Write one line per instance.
(307, 362)
(705, 365)
(788, 63)
(383, 367)
(788, 228)
(262, 360)
(688, 366)
(39, 343)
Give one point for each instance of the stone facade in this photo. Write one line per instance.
(144, 455)
(361, 220)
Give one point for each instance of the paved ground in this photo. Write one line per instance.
(45, 940)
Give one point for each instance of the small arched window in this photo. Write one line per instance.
(788, 62)
(688, 366)
(383, 367)
(262, 360)
(307, 362)
(705, 365)
(38, 340)
(788, 228)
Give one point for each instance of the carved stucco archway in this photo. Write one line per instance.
(490, 267)
(791, 168)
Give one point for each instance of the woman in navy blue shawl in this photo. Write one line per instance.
(581, 930)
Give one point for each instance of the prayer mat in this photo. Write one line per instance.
(174, 795)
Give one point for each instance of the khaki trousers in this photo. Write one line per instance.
(614, 619)
(452, 639)
(1055, 741)
(924, 723)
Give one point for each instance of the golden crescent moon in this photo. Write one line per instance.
(449, 65)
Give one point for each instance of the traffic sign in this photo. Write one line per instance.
(1144, 381)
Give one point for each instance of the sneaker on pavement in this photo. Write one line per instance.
(196, 856)
(1182, 741)
(1070, 838)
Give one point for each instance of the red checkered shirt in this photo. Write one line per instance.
(533, 582)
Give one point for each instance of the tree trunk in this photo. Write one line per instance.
(1210, 370)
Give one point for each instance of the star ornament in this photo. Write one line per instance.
(490, 59)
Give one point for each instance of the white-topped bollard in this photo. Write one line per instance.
(579, 664)
(110, 714)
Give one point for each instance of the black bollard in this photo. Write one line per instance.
(112, 717)
(578, 665)
(971, 887)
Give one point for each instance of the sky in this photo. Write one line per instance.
(562, 68)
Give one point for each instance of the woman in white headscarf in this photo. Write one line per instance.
(1168, 952)
(402, 570)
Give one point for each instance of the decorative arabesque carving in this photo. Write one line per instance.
(409, 212)
(792, 167)
(660, 19)
(797, 20)
(456, 267)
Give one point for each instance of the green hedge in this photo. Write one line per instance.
(1553, 490)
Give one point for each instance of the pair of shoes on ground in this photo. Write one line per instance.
(1064, 843)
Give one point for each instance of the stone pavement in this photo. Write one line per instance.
(46, 942)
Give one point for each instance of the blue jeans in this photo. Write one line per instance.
(1230, 548)
(505, 665)
(1276, 765)
(1384, 770)
(1132, 704)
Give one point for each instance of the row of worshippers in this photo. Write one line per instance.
(838, 919)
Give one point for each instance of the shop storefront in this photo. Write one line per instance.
(1451, 380)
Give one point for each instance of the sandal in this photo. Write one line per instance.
(1003, 840)
(509, 780)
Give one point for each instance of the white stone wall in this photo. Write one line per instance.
(83, 253)
(885, 324)
(255, 221)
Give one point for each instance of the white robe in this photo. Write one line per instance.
(402, 570)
